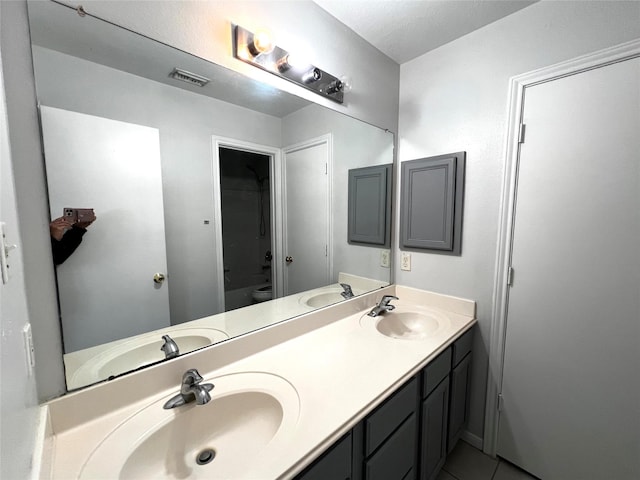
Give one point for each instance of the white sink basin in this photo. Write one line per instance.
(407, 322)
(325, 297)
(243, 426)
(140, 351)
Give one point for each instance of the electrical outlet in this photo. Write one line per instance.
(405, 262)
(384, 258)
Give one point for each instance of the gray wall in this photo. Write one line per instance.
(455, 98)
(31, 196)
(18, 398)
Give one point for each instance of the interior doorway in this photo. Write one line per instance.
(246, 215)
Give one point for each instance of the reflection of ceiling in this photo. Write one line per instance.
(405, 29)
(62, 29)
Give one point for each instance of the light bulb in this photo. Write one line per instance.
(347, 83)
(261, 42)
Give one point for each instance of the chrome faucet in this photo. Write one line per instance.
(169, 347)
(348, 293)
(191, 390)
(383, 307)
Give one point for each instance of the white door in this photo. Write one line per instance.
(106, 287)
(571, 388)
(308, 209)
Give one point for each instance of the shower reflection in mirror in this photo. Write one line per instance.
(245, 187)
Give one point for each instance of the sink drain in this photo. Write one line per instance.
(205, 456)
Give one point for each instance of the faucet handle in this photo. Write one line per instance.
(191, 377)
(169, 347)
(386, 299)
(347, 293)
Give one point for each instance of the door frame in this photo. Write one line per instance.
(275, 194)
(515, 110)
(328, 141)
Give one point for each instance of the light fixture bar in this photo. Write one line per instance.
(250, 49)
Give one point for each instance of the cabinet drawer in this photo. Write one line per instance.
(388, 416)
(462, 346)
(435, 372)
(334, 464)
(396, 457)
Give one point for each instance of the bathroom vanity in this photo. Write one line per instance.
(409, 435)
(331, 394)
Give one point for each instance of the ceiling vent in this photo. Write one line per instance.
(189, 77)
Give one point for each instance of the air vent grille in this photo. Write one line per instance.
(189, 77)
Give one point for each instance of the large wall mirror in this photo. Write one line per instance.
(220, 209)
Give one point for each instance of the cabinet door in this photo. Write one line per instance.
(335, 464)
(459, 405)
(369, 219)
(434, 431)
(394, 460)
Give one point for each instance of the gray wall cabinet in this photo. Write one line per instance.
(408, 436)
(369, 219)
(432, 196)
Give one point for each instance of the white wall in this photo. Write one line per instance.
(18, 399)
(31, 197)
(355, 144)
(455, 98)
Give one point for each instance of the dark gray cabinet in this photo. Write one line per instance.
(335, 463)
(432, 194)
(434, 431)
(409, 435)
(395, 458)
(460, 379)
(459, 404)
(369, 204)
(390, 436)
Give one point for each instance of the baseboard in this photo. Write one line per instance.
(471, 439)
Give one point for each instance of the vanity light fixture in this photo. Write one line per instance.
(258, 49)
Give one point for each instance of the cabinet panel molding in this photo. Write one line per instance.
(369, 206)
(432, 195)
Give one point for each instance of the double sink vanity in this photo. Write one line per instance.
(331, 394)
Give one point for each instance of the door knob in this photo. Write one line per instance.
(158, 278)
(289, 259)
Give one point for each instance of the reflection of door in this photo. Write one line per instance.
(106, 287)
(308, 209)
(571, 396)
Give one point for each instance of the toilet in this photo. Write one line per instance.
(262, 294)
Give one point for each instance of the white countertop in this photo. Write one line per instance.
(340, 369)
(83, 367)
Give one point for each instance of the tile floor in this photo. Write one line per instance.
(468, 463)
